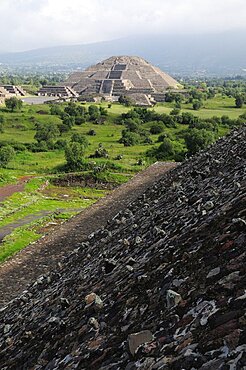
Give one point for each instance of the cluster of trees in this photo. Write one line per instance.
(13, 104)
(233, 88)
(31, 79)
(48, 136)
(75, 114)
(193, 96)
(198, 135)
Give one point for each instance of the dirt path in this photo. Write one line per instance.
(7, 190)
(44, 255)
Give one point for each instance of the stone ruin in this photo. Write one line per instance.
(7, 91)
(162, 286)
(123, 75)
(57, 91)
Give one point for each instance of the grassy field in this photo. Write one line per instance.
(27, 215)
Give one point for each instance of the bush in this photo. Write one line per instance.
(91, 132)
(79, 120)
(80, 138)
(2, 121)
(132, 124)
(13, 104)
(60, 144)
(198, 139)
(56, 110)
(94, 112)
(46, 132)
(197, 104)
(68, 121)
(165, 151)
(239, 100)
(74, 154)
(157, 128)
(129, 138)
(6, 155)
(101, 152)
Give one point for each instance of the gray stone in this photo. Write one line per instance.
(137, 339)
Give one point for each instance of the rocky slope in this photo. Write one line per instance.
(161, 287)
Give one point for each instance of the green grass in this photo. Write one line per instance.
(24, 235)
(38, 208)
(63, 202)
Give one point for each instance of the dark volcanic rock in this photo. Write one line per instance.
(166, 277)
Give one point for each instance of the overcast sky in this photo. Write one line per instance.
(31, 24)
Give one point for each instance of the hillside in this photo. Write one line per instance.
(161, 287)
(210, 54)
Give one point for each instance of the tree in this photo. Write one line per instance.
(46, 132)
(74, 154)
(2, 121)
(55, 109)
(80, 138)
(239, 101)
(129, 138)
(71, 109)
(165, 151)
(94, 112)
(68, 120)
(198, 139)
(197, 104)
(157, 128)
(188, 118)
(6, 155)
(13, 104)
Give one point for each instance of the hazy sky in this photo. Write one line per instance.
(30, 24)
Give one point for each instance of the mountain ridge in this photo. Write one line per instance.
(221, 53)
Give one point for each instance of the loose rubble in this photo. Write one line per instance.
(161, 287)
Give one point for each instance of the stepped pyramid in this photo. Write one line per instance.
(162, 286)
(121, 75)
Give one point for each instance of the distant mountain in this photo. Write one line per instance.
(210, 54)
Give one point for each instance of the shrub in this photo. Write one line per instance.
(60, 144)
(239, 100)
(164, 152)
(79, 120)
(80, 138)
(74, 154)
(46, 132)
(94, 112)
(129, 138)
(197, 139)
(197, 104)
(157, 128)
(91, 132)
(55, 109)
(101, 152)
(13, 104)
(6, 155)
(2, 121)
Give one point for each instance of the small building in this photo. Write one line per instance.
(13, 90)
(57, 91)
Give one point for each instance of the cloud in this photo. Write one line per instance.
(27, 24)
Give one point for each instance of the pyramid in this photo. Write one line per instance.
(161, 286)
(121, 75)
